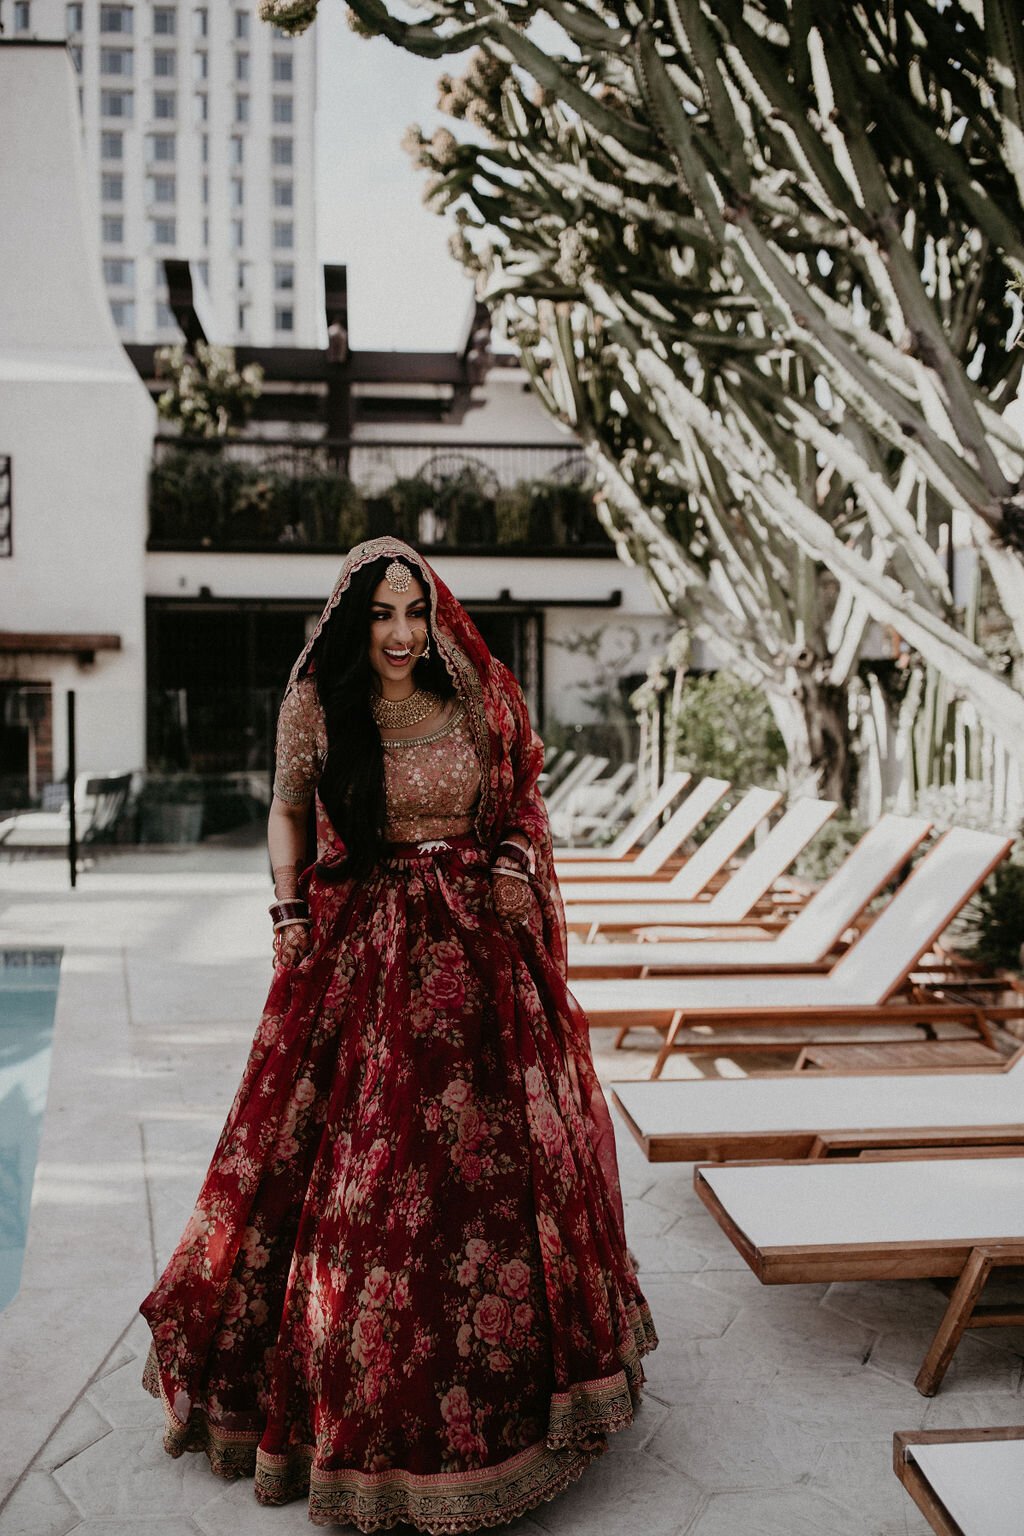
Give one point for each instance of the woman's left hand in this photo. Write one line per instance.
(513, 898)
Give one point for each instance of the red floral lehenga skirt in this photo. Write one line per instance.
(404, 1290)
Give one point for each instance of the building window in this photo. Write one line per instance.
(75, 50)
(22, 16)
(113, 229)
(165, 21)
(73, 14)
(201, 22)
(203, 269)
(242, 275)
(284, 237)
(284, 194)
(165, 63)
(243, 316)
(165, 105)
(164, 231)
(281, 151)
(201, 102)
(241, 109)
(206, 190)
(201, 66)
(123, 311)
(116, 18)
(116, 103)
(112, 187)
(119, 271)
(282, 67)
(237, 192)
(237, 150)
(206, 232)
(162, 189)
(282, 112)
(284, 318)
(162, 149)
(242, 67)
(111, 145)
(284, 277)
(237, 234)
(116, 61)
(164, 316)
(204, 148)
(242, 26)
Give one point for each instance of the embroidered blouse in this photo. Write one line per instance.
(431, 782)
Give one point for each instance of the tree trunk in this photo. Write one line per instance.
(813, 719)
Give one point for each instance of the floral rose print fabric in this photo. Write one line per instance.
(404, 1291)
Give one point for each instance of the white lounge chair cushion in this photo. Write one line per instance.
(823, 1205)
(813, 1102)
(980, 1483)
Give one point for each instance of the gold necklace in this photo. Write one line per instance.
(394, 714)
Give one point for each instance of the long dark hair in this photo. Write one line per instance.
(352, 783)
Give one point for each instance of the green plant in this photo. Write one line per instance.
(827, 849)
(206, 395)
(997, 919)
(724, 727)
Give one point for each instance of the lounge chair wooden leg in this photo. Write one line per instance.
(620, 1037)
(666, 1050)
(956, 1318)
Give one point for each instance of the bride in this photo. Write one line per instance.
(405, 1292)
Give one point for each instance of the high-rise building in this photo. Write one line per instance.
(198, 132)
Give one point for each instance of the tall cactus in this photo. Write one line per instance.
(759, 254)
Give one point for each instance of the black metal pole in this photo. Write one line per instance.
(72, 775)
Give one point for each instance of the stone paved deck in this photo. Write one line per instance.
(770, 1410)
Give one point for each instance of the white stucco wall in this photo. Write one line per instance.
(74, 417)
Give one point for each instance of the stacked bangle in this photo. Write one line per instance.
(287, 913)
(510, 874)
(512, 850)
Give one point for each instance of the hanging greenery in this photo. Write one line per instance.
(207, 396)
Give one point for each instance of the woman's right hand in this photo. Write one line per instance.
(291, 944)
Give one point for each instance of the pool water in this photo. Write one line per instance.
(28, 997)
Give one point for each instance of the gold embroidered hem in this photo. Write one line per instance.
(443, 1503)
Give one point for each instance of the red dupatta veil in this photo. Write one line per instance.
(511, 759)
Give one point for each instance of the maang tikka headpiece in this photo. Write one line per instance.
(398, 576)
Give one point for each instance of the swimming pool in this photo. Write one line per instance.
(28, 997)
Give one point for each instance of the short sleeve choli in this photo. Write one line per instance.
(432, 783)
(301, 743)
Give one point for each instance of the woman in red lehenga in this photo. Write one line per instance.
(405, 1289)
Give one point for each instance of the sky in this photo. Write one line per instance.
(405, 291)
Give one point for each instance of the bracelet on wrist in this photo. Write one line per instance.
(293, 922)
(510, 874)
(288, 911)
(508, 849)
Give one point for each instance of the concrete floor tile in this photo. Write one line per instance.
(232, 1510)
(687, 1310)
(624, 1491)
(139, 1526)
(37, 1507)
(734, 1445)
(781, 1329)
(646, 1220)
(847, 1403)
(707, 1371)
(973, 1410)
(128, 1473)
(666, 1254)
(81, 1428)
(119, 1397)
(858, 1476)
(799, 1513)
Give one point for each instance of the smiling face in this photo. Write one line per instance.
(398, 636)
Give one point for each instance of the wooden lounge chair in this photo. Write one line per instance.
(824, 919)
(582, 772)
(706, 862)
(856, 990)
(588, 804)
(100, 801)
(815, 1114)
(627, 840)
(666, 843)
(966, 1482)
(891, 1219)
